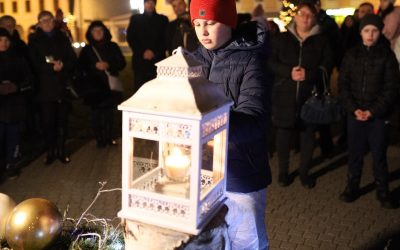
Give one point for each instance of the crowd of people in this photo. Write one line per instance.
(267, 74)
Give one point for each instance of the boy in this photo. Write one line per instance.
(368, 81)
(235, 61)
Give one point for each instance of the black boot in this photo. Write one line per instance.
(352, 190)
(307, 181)
(350, 194)
(61, 154)
(50, 157)
(284, 180)
(384, 197)
(12, 171)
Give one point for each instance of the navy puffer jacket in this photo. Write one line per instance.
(240, 70)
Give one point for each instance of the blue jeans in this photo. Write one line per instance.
(246, 220)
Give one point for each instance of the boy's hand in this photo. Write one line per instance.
(58, 65)
(298, 74)
(362, 115)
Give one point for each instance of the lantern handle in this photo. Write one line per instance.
(181, 50)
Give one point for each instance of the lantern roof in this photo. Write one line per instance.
(178, 90)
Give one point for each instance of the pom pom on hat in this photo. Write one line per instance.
(223, 11)
(371, 19)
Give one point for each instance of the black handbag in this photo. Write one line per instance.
(321, 108)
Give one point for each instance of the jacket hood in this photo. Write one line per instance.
(107, 33)
(315, 30)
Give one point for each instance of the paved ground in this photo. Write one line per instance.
(296, 218)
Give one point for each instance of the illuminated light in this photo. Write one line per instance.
(340, 12)
(137, 5)
(83, 44)
(76, 45)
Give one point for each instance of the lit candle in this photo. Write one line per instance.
(177, 165)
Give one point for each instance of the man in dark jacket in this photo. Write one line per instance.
(180, 31)
(15, 79)
(235, 61)
(369, 81)
(53, 60)
(146, 36)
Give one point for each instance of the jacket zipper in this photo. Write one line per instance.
(363, 78)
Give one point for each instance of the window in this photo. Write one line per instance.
(14, 7)
(41, 5)
(56, 5)
(2, 7)
(28, 6)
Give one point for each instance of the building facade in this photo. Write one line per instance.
(116, 13)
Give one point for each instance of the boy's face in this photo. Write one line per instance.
(370, 35)
(4, 43)
(211, 34)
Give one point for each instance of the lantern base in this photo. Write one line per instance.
(172, 188)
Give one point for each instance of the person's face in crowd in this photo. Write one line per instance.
(4, 43)
(384, 4)
(179, 7)
(348, 22)
(211, 34)
(304, 19)
(370, 35)
(363, 10)
(318, 6)
(149, 6)
(97, 33)
(9, 25)
(46, 23)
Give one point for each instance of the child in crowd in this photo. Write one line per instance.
(235, 60)
(369, 81)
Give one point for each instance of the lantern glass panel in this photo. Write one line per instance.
(145, 156)
(213, 160)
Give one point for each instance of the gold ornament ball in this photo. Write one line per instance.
(33, 224)
(6, 206)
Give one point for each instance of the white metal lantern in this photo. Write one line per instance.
(174, 141)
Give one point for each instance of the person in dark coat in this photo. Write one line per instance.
(17, 44)
(180, 32)
(146, 38)
(15, 79)
(53, 60)
(112, 61)
(369, 81)
(299, 57)
(235, 60)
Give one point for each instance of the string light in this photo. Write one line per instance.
(288, 11)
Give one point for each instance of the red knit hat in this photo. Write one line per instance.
(223, 11)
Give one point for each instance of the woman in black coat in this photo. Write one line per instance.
(53, 61)
(15, 78)
(98, 59)
(298, 57)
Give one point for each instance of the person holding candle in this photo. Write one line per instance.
(235, 60)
